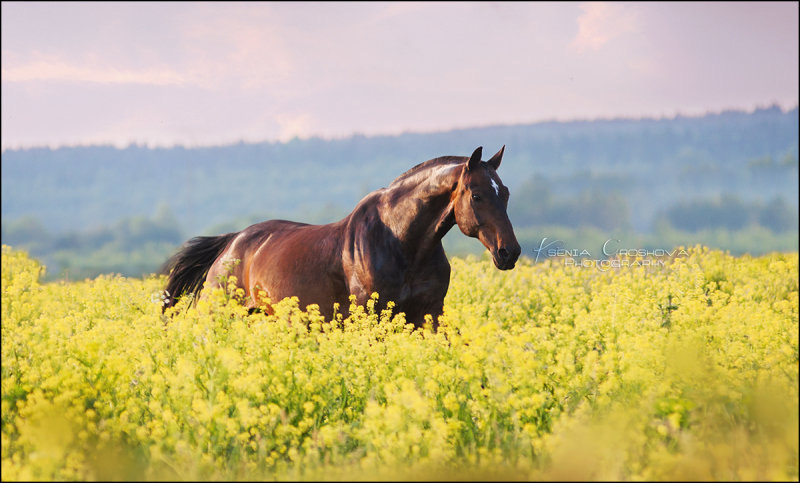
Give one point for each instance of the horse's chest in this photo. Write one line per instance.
(424, 289)
(423, 285)
(394, 276)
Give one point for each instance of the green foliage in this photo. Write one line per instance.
(81, 209)
(543, 372)
(728, 211)
(753, 240)
(132, 246)
(778, 216)
(27, 231)
(536, 204)
(71, 189)
(768, 164)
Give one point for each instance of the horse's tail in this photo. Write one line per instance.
(188, 268)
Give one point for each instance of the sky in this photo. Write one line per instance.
(200, 74)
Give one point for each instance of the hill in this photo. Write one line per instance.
(732, 170)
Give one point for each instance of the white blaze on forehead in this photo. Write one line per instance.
(494, 185)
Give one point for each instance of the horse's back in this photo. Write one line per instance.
(284, 258)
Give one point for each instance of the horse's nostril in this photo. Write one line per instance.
(503, 253)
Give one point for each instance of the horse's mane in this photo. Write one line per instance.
(431, 163)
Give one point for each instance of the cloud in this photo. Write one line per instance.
(236, 48)
(601, 22)
(211, 72)
(53, 69)
(294, 125)
(242, 46)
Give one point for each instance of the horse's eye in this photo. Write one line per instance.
(476, 197)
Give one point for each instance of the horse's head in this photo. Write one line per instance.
(480, 203)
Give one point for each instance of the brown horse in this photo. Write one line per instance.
(391, 244)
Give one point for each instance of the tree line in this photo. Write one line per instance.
(674, 177)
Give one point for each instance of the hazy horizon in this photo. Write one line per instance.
(205, 74)
(410, 131)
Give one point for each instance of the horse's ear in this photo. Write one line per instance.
(475, 159)
(495, 161)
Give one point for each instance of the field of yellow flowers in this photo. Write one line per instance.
(683, 371)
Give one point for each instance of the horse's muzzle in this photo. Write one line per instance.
(506, 257)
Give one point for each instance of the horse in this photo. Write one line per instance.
(391, 243)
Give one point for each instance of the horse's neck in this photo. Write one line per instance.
(419, 212)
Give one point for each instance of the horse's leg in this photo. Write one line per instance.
(416, 315)
(430, 288)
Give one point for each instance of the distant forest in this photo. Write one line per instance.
(728, 180)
